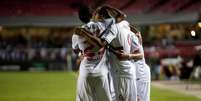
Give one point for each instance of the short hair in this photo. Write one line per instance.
(85, 13)
(103, 12)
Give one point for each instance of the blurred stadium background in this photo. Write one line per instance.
(35, 35)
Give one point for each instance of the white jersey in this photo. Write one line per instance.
(124, 85)
(142, 69)
(93, 63)
(119, 38)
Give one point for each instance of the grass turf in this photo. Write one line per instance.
(58, 86)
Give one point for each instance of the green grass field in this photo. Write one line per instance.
(58, 86)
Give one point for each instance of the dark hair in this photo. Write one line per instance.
(84, 13)
(102, 11)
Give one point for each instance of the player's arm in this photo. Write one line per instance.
(116, 13)
(125, 56)
(133, 29)
(78, 31)
(119, 16)
(136, 56)
(75, 47)
(98, 41)
(79, 59)
(92, 39)
(138, 34)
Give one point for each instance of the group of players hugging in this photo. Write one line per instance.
(113, 66)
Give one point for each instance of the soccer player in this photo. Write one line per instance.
(142, 70)
(120, 40)
(92, 84)
(104, 27)
(142, 74)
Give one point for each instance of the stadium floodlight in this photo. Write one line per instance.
(193, 33)
(199, 24)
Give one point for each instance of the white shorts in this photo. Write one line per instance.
(93, 89)
(125, 89)
(143, 91)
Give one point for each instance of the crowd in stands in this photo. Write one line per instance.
(18, 49)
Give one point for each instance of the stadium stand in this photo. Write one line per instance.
(146, 14)
(139, 6)
(171, 6)
(195, 7)
(117, 3)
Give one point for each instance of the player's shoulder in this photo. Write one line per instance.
(124, 24)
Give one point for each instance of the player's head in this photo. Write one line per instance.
(84, 13)
(101, 13)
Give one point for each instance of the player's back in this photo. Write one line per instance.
(93, 55)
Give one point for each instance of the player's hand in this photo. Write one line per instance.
(121, 55)
(78, 31)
